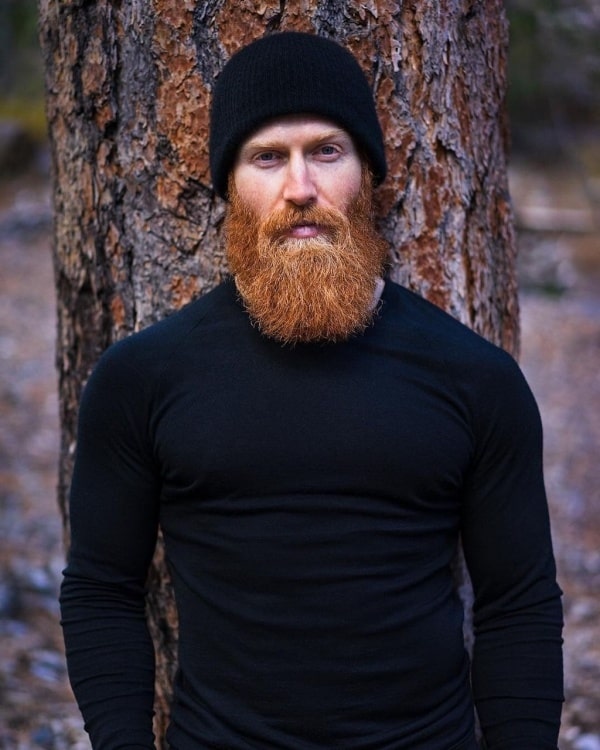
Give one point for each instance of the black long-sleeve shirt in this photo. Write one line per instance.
(311, 499)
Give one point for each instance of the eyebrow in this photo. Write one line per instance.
(278, 143)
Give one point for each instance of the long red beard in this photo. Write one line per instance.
(313, 289)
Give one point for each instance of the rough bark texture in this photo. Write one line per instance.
(137, 227)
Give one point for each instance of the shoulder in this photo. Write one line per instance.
(451, 339)
(156, 343)
(137, 360)
(486, 376)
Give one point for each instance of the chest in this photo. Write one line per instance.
(369, 423)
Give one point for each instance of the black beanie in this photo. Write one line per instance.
(291, 73)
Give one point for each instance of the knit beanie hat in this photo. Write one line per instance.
(291, 73)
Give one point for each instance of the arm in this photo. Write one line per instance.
(517, 661)
(114, 517)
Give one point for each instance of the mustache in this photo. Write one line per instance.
(330, 221)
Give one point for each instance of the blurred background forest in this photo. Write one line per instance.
(554, 109)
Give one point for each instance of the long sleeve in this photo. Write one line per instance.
(517, 664)
(114, 516)
(309, 531)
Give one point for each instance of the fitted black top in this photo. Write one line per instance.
(311, 499)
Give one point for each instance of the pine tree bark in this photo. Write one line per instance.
(137, 226)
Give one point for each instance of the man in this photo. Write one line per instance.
(312, 441)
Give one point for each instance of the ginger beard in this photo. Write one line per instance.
(311, 289)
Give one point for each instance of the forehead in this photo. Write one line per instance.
(298, 127)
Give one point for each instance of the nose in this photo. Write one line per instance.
(299, 186)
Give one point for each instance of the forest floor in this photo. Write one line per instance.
(560, 354)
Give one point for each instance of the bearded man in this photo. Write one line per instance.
(312, 441)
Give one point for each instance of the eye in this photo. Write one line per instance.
(265, 158)
(328, 152)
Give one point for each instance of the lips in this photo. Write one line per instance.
(304, 231)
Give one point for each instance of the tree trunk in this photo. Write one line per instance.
(137, 227)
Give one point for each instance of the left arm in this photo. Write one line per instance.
(517, 661)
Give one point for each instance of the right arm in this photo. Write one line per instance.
(114, 521)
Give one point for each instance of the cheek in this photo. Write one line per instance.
(345, 189)
(255, 193)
